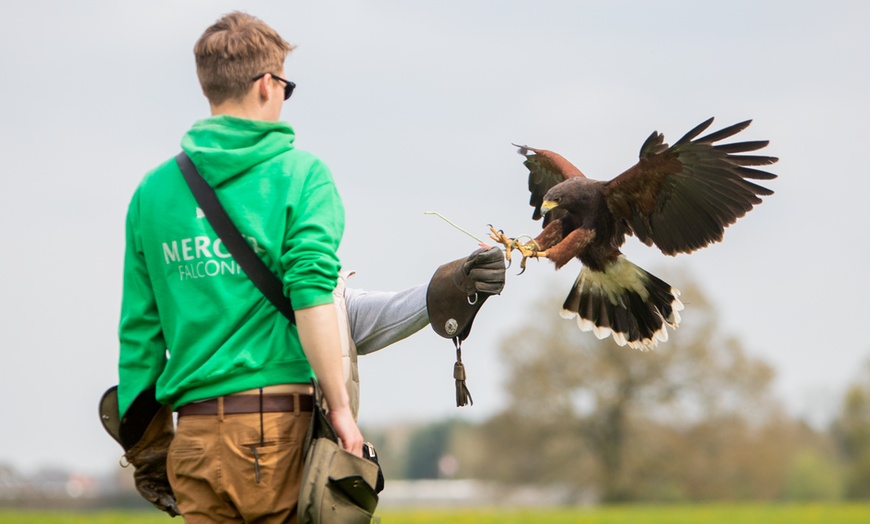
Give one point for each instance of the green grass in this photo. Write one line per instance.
(678, 514)
(84, 517)
(682, 514)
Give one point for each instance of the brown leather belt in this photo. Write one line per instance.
(237, 404)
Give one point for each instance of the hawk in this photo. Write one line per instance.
(679, 198)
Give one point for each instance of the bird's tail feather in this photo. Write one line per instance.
(624, 301)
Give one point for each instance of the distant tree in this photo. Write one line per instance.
(814, 475)
(852, 432)
(428, 445)
(694, 419)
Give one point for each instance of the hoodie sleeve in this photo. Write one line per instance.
(143, 348)
(315, 227)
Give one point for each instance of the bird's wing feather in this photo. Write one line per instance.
(546, 169)
(681, 198)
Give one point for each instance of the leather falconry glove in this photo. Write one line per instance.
(456, 293)
(145, 433)
(482, 272)
(459, 288)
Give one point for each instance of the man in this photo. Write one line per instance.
(197, 335)
(193, 324)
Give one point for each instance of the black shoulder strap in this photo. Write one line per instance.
(253, 266)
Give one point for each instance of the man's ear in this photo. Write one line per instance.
(262, 87)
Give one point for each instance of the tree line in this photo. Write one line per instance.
(694, 420)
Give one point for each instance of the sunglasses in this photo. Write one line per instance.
(288, 85)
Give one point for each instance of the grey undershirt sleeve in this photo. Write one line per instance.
(378, 318)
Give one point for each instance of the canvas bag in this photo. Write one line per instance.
(337, 486)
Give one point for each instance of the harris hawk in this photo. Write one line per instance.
(679, 198)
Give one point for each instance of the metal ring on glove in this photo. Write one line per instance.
(470, 301)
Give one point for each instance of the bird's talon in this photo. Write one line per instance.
(523, 266)
(526, 245)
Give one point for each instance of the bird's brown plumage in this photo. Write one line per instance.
(679, 198)
(546, 169)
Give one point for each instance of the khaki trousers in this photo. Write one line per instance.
(222, 471)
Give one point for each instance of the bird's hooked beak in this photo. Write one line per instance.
(548, 205)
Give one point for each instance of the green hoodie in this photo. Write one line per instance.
(191, 321)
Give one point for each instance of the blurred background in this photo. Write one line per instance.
(763, 392)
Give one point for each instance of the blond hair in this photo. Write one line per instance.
(234, 50)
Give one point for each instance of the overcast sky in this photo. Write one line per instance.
(414, 106)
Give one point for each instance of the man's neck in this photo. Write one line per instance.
(259, 103)
(245, 108)
(236, 111)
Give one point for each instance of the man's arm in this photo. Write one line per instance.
(318, 333)
(142, 345)
(378, 319)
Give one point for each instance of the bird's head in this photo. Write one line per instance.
(580, 200)
(574, 196)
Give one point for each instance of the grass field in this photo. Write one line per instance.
(684, 514)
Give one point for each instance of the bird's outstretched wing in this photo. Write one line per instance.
(546, 169)
(681, 198)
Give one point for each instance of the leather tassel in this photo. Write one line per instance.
(463, 396)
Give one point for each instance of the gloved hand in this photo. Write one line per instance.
(482, 272)
(456, 292)
(458, 289)
(145, 433)
(148, 457)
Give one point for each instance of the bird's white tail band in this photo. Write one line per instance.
(624, 301)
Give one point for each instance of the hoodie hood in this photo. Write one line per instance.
(224, 146)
